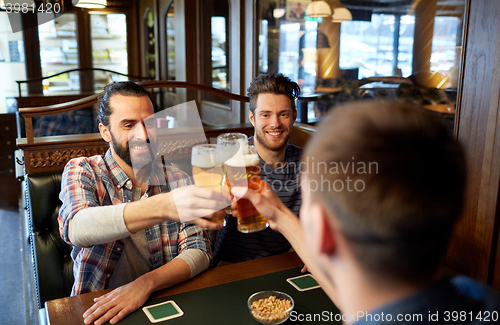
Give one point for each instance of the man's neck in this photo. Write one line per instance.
(129, 171)
(272, 158)
(360, 294)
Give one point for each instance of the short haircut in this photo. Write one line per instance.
(273, 83)
(124, 88)
(398, 215)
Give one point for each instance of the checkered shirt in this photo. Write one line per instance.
(99, 181)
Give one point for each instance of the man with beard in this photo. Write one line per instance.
(272, 113)
(124, 222)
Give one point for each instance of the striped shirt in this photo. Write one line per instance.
(99, 181)
(234, 246)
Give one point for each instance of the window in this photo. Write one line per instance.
(417, 45)
(215, 48)
(12, 63)
(109, 47)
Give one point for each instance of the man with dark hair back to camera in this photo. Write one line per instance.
(123, 221)
(383, 186)
(272, 113)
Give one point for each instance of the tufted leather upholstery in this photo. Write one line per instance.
(51, 259)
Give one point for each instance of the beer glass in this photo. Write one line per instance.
(231, 138)
(243, 169)
(207, 161)
(234, 140)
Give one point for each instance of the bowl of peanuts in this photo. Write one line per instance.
(270, 307)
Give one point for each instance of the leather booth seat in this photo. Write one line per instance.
(51, 259)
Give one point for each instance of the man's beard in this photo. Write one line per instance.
(262, 140)
(124, 153)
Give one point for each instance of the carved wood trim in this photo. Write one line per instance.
(44, 159)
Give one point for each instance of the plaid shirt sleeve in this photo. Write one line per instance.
(78, 191)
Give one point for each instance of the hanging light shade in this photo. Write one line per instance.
(93, 4)
(318, 9)
(341, 14)
(279, 12)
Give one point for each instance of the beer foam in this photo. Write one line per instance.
(210, 159)
(241, 160)
(207, 161)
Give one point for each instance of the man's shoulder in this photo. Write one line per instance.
(93, 162)
(294, 150)
(173, 170)
(477, 291)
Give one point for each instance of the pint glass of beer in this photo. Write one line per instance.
(207, 161)
(243, 170)
(235, 141)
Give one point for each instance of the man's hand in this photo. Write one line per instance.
(196, 205)
(117, 304)
(210, 225)
(265, 201)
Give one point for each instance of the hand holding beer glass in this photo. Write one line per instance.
(233, 141)
(243, 170)
(207, 161)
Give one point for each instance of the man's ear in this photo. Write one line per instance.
(294, 115)
(104, 130)
(327, 236)
(251, 118)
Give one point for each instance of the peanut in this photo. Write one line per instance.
(271, 305)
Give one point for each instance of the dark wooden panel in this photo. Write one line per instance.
(32, 46)
(10, 187)
(35, 101)
(478, 128)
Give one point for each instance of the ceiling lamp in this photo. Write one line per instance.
(279, 12)
(93, 4)
(318, 9)
(341, 14)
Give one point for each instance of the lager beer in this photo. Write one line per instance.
(234, 140)
(207, 161)
(243, 170)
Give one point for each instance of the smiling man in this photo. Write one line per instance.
(120, 216)
(272, 113)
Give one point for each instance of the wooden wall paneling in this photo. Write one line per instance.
(478, 128)
(190, 18)
(205, 41)
(32, 52)
(251, 53)
(133, 38)
(495, 266)
(84, 50)
(10, 187)
(163, 7)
